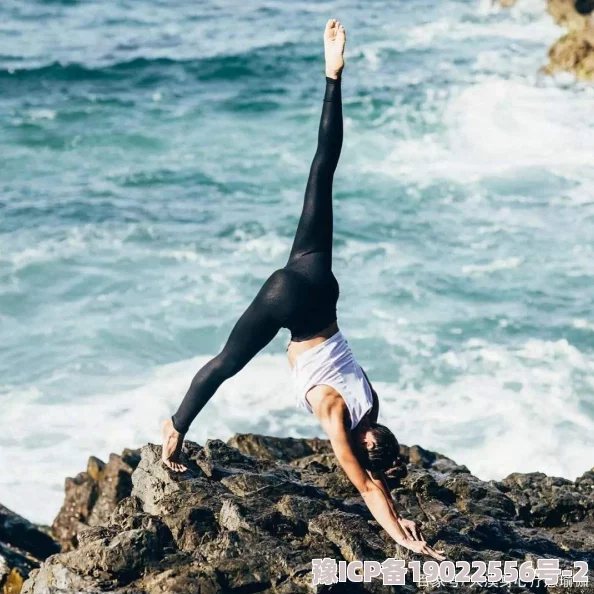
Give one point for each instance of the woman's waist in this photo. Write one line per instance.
(296, 348)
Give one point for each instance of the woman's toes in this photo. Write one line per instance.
(330, 31)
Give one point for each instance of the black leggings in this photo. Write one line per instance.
(301, 296)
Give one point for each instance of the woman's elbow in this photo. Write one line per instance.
(367, 489)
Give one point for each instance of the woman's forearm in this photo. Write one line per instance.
(382, 511)
(381, 484)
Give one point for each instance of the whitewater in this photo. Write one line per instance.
(154, 158)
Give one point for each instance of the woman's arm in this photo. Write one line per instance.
(379, 479)
(409, 527)
(334, 424)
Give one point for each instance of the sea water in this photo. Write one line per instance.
(154, 155)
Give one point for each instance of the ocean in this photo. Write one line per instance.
(154, 158)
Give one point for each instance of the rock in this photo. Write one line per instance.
(92, 496)
(250, 515)
(23, 546)
(574, 52)
(282, 449)
(566, 13)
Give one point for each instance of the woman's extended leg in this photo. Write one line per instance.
(314, 233)
(258, 325)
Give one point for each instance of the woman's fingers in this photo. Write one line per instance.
(433, 553)
(407, 532)
(416, 533)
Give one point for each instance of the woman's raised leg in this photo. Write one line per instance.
(314, 232)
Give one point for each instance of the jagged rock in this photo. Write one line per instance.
(566, 13)
(251, 518)
(92, 496)
(573, 53)
(281, 449)
(23, 546)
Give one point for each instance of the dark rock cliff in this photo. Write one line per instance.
(249, 516)
(23, 546)
(91, 496)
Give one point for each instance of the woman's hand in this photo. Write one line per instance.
(422, 548)
(410, 529)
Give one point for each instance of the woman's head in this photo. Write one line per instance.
(378, 449)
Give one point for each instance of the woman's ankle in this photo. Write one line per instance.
(334, 74)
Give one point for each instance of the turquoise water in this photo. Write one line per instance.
(154, 157)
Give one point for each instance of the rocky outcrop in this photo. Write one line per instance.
(249, 516)
(23, 546)
(571, 14)
(574, 51)
(91, 496)
(90, 499)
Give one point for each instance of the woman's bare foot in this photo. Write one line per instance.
(172, 445)
(334, 41)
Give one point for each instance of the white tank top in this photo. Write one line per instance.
(332, 363)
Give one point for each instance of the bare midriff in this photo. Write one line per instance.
(297, 348)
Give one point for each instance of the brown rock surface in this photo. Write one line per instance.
(573, 53)
(92, 496)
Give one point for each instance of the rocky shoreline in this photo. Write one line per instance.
(250, 515)
(574, 51)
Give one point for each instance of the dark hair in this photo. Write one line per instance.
(385, 454)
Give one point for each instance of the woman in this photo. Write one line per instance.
(302, 297)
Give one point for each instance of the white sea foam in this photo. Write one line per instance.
(500, 402)
(505, 411)
(498, 126)
(53, 442)
(582, 324)
(42, 114)
(268, 248)
(76, 240)
(495, 265)
(469, 122)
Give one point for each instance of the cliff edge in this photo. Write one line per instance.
(250, 515)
